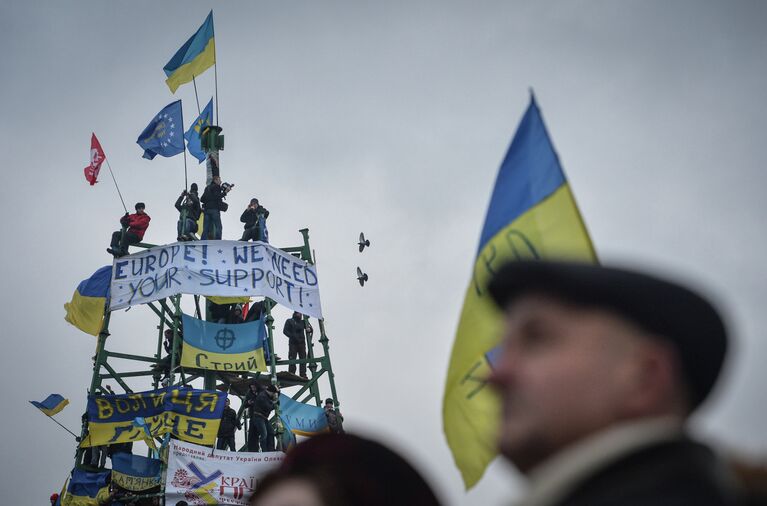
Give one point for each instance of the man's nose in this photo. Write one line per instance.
(503, 370)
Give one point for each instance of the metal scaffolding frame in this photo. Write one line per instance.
(168, 311)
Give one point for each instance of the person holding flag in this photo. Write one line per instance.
(188, 205)
(136, 225)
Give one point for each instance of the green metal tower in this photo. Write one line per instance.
(167, 369)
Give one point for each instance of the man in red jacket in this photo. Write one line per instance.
(136, 225)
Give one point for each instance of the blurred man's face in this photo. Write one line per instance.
(563, 374)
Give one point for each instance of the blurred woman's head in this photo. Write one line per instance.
(343, 470)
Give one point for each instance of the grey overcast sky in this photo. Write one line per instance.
(392, 118)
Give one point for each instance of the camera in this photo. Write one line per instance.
(227, 186)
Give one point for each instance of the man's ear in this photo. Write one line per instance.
(654, 381)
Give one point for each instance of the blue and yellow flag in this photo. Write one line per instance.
(86, 489)
(193, 136)
(223, 347)
(302, 419)
(186, 413)
(86, 309)
(135, 472)
(532, 214)
(195, 56)
(51, 405)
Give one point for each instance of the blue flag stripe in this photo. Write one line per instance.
(223, 338)
(98, 284)
(529, 173)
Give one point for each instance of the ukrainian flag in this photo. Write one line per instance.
(51, 405)
(532, 214)
(86, 489)
(195, 56)
(223, 347)
(86, 309)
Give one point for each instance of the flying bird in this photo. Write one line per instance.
(363, 242)
(361, 276)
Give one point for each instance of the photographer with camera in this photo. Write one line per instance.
(213, 204)
(252, 217)
(188, 204)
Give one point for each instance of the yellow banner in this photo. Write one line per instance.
(203, 359)
(188, 414)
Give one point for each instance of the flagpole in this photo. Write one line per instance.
(49, 416)
(183, 141)
(215, 77)
(215, 66)
(194, 82)
(115, 180)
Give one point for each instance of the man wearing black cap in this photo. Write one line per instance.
(597, 372)
(136, 225)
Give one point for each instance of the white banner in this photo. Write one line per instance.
(223, 268)
(200, 475)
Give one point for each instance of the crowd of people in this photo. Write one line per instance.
(191, 207)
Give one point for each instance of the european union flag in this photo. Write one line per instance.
(193, 136)
(163, 134)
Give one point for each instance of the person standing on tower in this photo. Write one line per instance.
(213, 204)
(136, 225)
(260, 401)
(188, 204)
(250, 217)
(294, 329)
(229, 424)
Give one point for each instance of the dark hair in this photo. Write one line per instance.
(193, 188)
(347, 470)
(140, 205)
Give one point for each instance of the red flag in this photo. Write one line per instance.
(97, 158)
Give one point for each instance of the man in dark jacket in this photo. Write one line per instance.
(188, 205)
(212, 204)
(598, 371)
(294, 329)
(334, 417)
(229, 424)
(136, 225)
(260, 402)
(251, 217)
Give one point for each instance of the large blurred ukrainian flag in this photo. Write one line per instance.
(532, 214)
(86, 309)
(195, 56)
